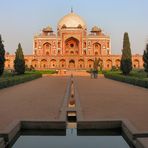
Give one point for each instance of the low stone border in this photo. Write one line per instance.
(132, 136)
(11, 133)
(142, 143)
(127, 130)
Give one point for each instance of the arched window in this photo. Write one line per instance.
(117, 62)
(136, 63)
(97, 48)
(71, 52)
(108, 45)
(96, 53)
(35, 44)
(44, 63)
(47, 53)
(109, 64)
(62, 63)
(53, 63)
(84, 45)
(90, 63)
(59, 45)
(34, 63)
(59, 52)
(84, 52)
(46, 48)
(81, 63)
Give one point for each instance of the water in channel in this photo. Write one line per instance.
(70, 140)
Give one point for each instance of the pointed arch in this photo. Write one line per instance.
(46, 48)
(108, 64)
(97, 48)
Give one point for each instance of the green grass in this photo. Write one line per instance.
(42, 72)
(99, 72)
(8, 74)
(136, 77)
(139, 74)
(8, 79)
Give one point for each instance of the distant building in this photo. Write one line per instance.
(72, 47)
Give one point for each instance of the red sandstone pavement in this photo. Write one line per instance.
(100, 99)
(108, 99)
(40, 99)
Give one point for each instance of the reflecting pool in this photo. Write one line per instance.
(71, 140)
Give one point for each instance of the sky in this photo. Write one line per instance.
(20, 20)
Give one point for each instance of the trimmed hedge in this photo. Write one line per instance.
(14, 80)
(127, 79)
(42, 72)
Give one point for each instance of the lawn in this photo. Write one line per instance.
(137, 73)
(42, 71)
(8, 79)
(136, 77)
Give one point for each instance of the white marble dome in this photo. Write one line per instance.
(72, 20)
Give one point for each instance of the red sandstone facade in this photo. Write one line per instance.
(72, 48)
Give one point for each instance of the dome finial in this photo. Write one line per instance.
(71, 9)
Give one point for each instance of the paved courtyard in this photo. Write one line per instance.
(108, 99)
(42, 99)
(36, 100)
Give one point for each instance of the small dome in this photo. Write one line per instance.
(47, 29)
(72, 20)
(96, 29)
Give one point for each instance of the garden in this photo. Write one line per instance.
(136, 77)
(9, 79)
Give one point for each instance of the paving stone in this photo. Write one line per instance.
(107, 99)
(36, 100)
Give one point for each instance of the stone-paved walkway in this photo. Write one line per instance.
(40, 99)
(100, 99)
(108, 99)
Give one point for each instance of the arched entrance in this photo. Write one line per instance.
(7, 63)
(109, 64)
(62, 63)
(46, 49)
(97, 49)
(117, 62)
(43, 64)
(53, 63)
(34, 63)
(71, 64)
(81, 64)
(90, 63)
(136, 64)
(72, 46)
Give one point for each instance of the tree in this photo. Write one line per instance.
(126, 60)
(95, 68)
(2, 56)
(19, 62)
(96, 64)
(145, 59)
